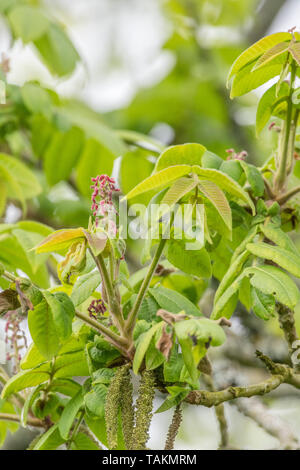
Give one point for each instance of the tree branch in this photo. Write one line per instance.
(16, 419)
(273, 425)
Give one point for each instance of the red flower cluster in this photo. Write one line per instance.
(96, 307)
(103, 188)
(232, 155)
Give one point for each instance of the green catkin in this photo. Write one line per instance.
(143, 412)
(174, 428)
(112, 404)
(127, 410)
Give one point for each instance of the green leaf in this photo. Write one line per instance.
(71, 365)
(28, 403)
(144, 341)
(196, 262)
(95, 159)
(69, 414)
(32, 358)
(279, 237)
(280, 256)
(263, 305)
(57, 51)
(224, 182)
(226, 303)
(83, 442)
(95, 400)
(172, 301)
(134, 168)
(36, 99)
(186, 154)
(233, 271)
(246, 80)
(43, 330)
(26, 379)
(294, 49)
(50, 440)
(62, 154)
(256, 50)
(27, 22)
(267, 104)
(180, 188)
(275, 51)
(194, 335)
(211, 160)
(218, 199)
(160, 179)
(254, 178)
(173, 367)
(84, 287)
(3, 196)
(63, 312)
(24, 178)
(272, 281)
(148, 309)
(233, 169)
(7, 407)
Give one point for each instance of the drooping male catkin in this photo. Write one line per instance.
(112, 405)
(127, 410)
(174, 428)
(143, 412)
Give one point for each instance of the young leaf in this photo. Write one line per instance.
(186, 154)
(246, 80)
(280, 256)
(144, 341)
(180, 188)
(256, 50)
(294, 49)
(195, 262)
(275, 51)
(160, 179)
(60, 240)
(218, 199)
(224, 182)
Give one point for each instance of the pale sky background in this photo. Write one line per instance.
(120, 44)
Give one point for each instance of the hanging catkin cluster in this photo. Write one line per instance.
(174, 428)
(127, 410)
(143, 413)
(112, 405)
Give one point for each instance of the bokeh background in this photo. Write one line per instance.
(159, 67)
